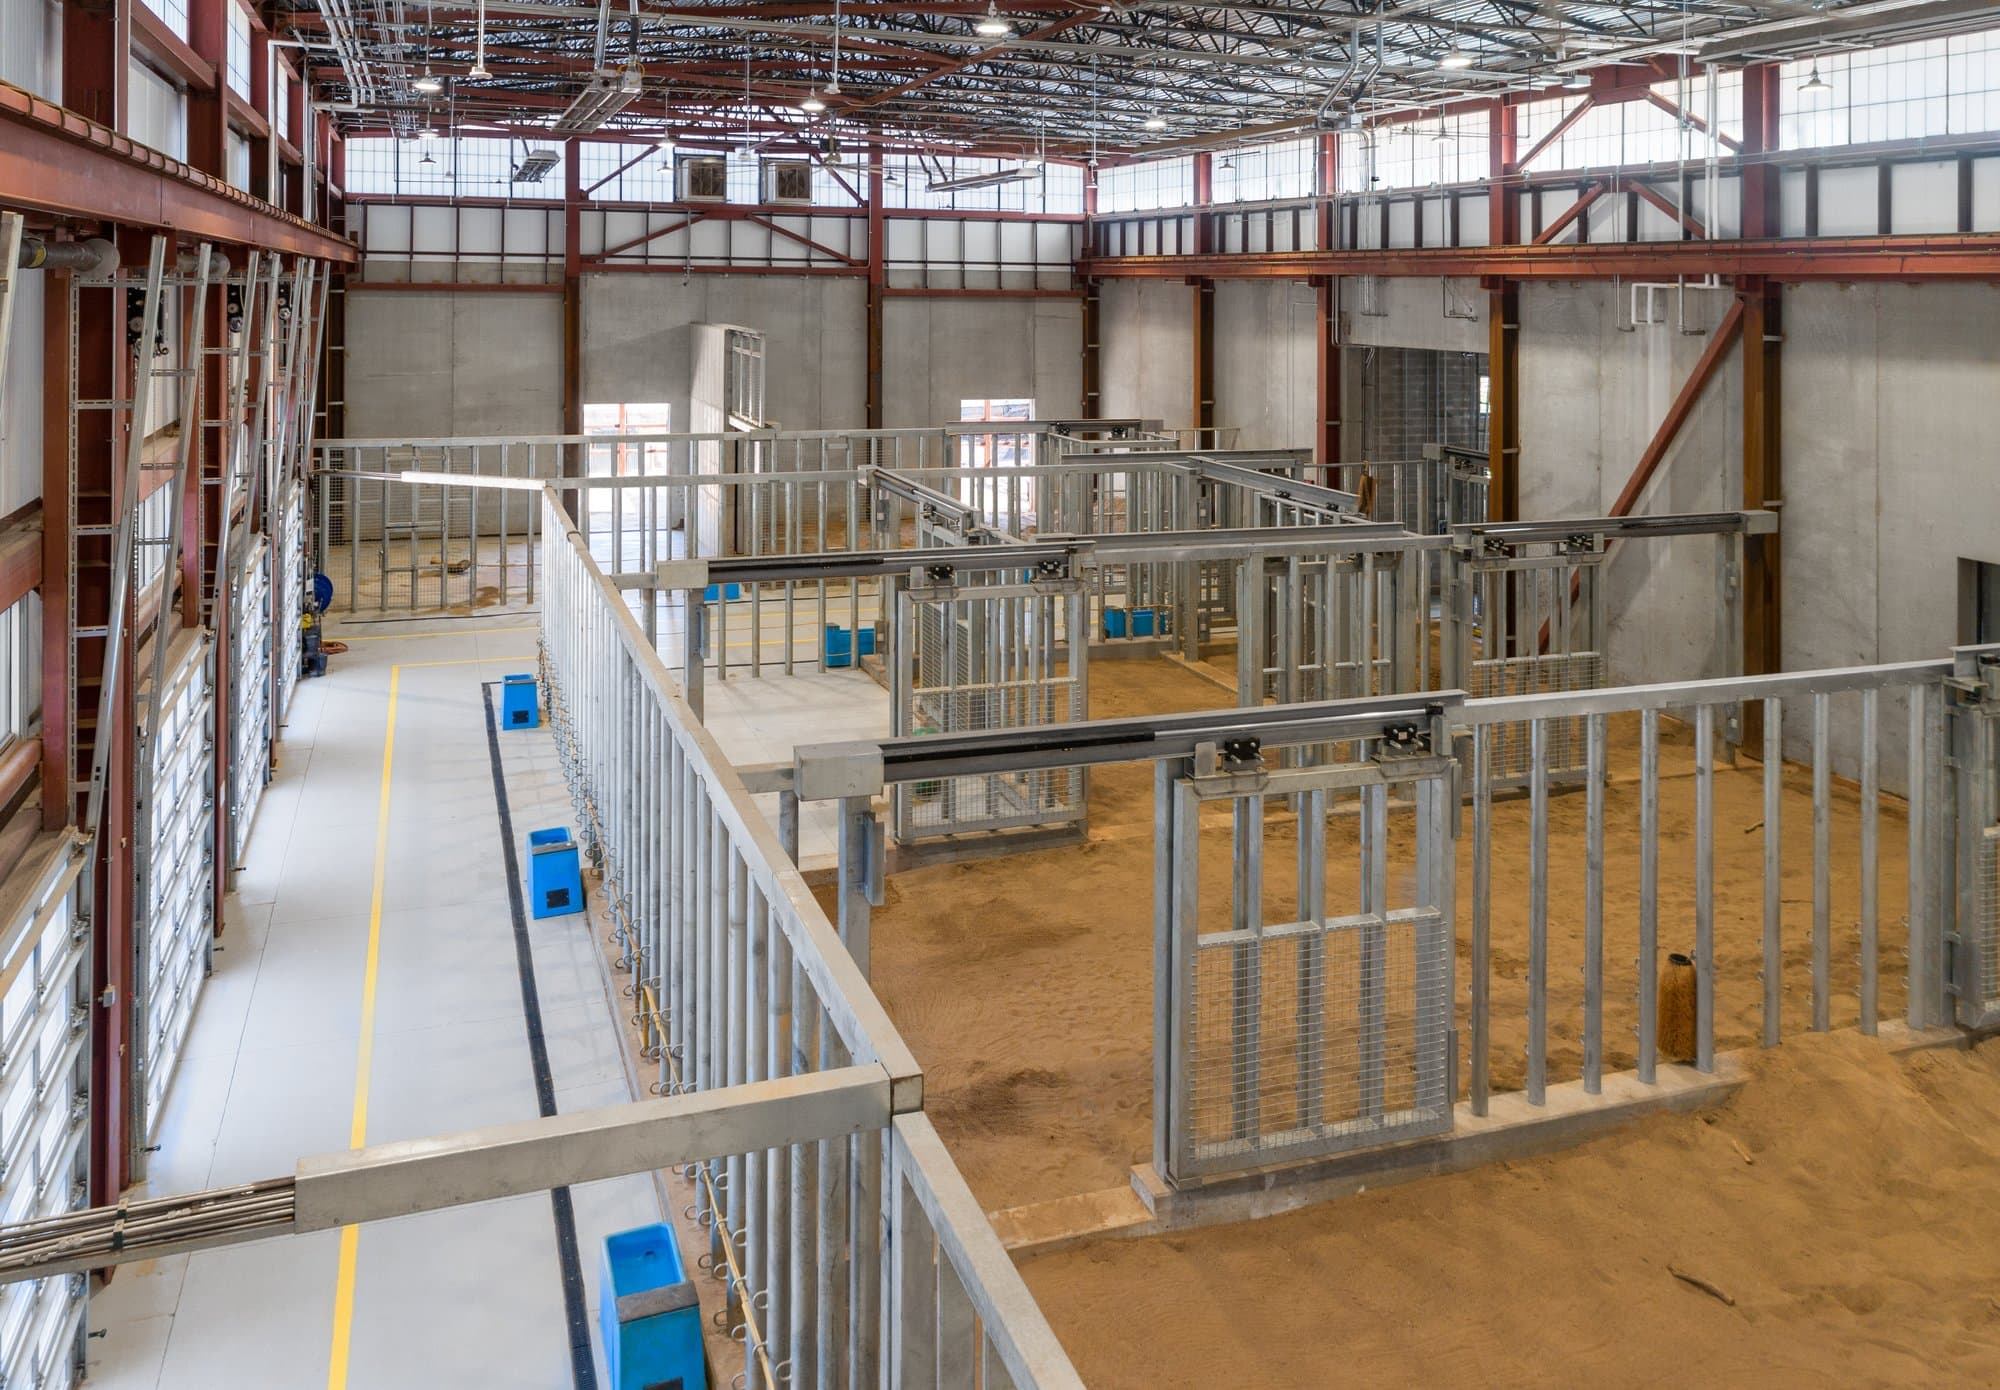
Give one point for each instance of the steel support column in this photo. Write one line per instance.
(1326, 325)
(1503, 323)
(878, 281)
(1760, 138)
(1092, 368)
(1204, 360)
(1763, 487)
(572, 293)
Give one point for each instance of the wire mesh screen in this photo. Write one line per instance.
(1312, 1039)
(1302, 1038)
(985, 657)
(1988, 926)
(1537, 675)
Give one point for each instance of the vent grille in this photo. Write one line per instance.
(789, 181)
(705, 180)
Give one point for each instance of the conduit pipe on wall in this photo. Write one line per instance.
(93, 256)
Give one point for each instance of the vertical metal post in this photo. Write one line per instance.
(1593, 907)
(1538, 911)
(1871, 756)
(1704, 887)
(1822, 937)
(1482, 883)
(1649, 893)
(1774, 888)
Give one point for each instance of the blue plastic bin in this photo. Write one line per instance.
(1142, 622)
(555, 877)
(840, 645)
(716, 591)
(1114, 622)
(520, 702)
(648, 1314)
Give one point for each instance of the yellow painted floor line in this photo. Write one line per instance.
(357, 1132)
(411, 636)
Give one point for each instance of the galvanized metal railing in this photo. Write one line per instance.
(847, 1262)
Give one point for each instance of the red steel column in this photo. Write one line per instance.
(1326, 352)
(1093, 381)
(1503, 322)
(878, 282)
(1204, 304)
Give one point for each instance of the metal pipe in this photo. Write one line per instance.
(93, 257)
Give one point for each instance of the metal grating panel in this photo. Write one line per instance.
(175, 924)
(250, 689)
(44, 1118)
(1315, 1039)
(1988, 926)
(1537, 675)
(986, 657)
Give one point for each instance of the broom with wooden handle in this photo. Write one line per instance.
(1674, 1033)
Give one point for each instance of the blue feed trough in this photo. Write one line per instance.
(840, 645)
(520, 702)
(1114, 622)
(555, 877)
(648, 1314)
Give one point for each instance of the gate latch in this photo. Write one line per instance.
(1240, 754)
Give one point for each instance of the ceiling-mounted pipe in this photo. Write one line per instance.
(92, 256)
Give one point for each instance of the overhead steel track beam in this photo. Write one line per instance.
(57, 162)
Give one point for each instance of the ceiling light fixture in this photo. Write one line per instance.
(1455, 57)
(1814, 83)
(991, 25)
(1156, 122)
(427, 133)
(812, 105)
(479, 46)
(430, 84)
(1228, 164)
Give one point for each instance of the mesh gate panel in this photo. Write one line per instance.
(987, 658)
(1513, 754)
(250, 689)
(174, 918)
(1987, 872)
(1316, 1039)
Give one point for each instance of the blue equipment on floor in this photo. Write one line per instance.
(1142, 622)
(648, 1314)
(840, 645)
(1136, 622)
(717, 591)
(520, 702)
(555, 878)
(1114, 622)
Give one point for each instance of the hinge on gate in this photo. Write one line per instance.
(1240, 754)
(940, 574)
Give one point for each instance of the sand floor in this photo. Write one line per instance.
(1025, 984)
(1847, 1200)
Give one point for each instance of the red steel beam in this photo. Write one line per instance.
(1719, 343)
(1562, 126)
(1724, 137)
(1583, 204)
(55, 161)
(1972, 256)
(1652, 195)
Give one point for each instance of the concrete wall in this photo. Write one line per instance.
(1445, 316)
(940, 352)
(1592, 397)
(1266, 364)
(21, 387)
(635, 340)
(1146, 356)
(428, 364)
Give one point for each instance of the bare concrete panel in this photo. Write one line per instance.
(1147, 356)
(635, 340)
(1446, 315)
(1265, 362)
(422, 363)
(21, 420)
(941, 352)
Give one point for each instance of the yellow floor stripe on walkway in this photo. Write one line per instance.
(357, 1133)
(410, 636)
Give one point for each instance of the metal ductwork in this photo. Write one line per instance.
(94, 256)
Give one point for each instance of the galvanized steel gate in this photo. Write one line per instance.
(173, 921)
(44, 1113)
(1330, 1028)
(986, 650)
(250, 689)
(1973, 702)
